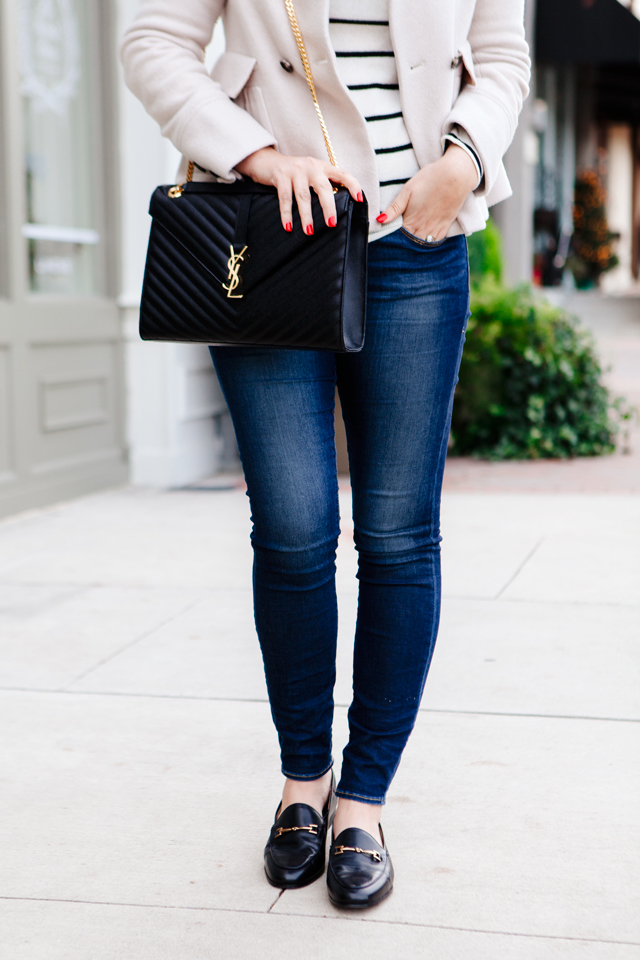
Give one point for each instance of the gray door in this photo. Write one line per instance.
(61, 417)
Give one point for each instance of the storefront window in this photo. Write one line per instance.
(58, 79)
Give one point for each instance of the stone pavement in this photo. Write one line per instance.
(139, 769)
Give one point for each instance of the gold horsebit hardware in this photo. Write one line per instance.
(370, 853)
(312, 829)
(233, 266)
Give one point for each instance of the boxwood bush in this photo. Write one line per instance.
(530, 382)
(485, 254)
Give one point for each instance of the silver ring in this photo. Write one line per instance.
(430, 239)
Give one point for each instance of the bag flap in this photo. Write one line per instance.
(203, 220)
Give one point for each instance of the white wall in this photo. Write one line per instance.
(514, 216)
(620, 204)
(172, 391)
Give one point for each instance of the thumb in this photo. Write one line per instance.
(396, 208)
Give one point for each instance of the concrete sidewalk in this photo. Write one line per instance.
(140, 767)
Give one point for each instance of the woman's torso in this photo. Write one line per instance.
(259, 39)
(260, 72)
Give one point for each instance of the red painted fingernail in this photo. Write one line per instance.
(359, 197)
(288, 227)
(332, 222)
(382, 218)
(309, 231)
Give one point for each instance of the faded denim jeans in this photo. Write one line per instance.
(396, 397)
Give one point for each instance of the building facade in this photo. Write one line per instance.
(61, 375)
(583, 115)
(83, 403)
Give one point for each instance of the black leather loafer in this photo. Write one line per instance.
(360, 872)
(295, 853)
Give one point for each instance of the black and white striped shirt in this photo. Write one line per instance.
(361, 39)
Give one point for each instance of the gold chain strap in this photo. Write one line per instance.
(293, 20)
(177, 191)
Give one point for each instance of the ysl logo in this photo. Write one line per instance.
(233, 265)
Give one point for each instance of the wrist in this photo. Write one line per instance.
(458, 162)
(248, 165)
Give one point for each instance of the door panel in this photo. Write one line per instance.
(61, 380)
(60, 80)
(76, 415)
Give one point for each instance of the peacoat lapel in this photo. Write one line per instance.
(422, 32)
(423, 36)
(313, 20)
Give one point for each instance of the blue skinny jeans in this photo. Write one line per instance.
(396, 398)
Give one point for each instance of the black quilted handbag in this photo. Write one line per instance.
(221, 269)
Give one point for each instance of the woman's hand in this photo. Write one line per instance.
(294, 177)
(431, 201)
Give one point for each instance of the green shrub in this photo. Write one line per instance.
(485, 254)
(530, 382)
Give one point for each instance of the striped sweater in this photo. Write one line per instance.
(361, 39)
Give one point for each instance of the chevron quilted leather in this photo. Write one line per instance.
(292, 290)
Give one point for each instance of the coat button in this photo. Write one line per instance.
(457, 60)
(286, 66)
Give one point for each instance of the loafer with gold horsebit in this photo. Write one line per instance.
(360, 872)
(295, 853)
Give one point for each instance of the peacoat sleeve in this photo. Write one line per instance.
(163, 58)
(497, 69)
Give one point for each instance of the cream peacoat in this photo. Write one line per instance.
(461, 62)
